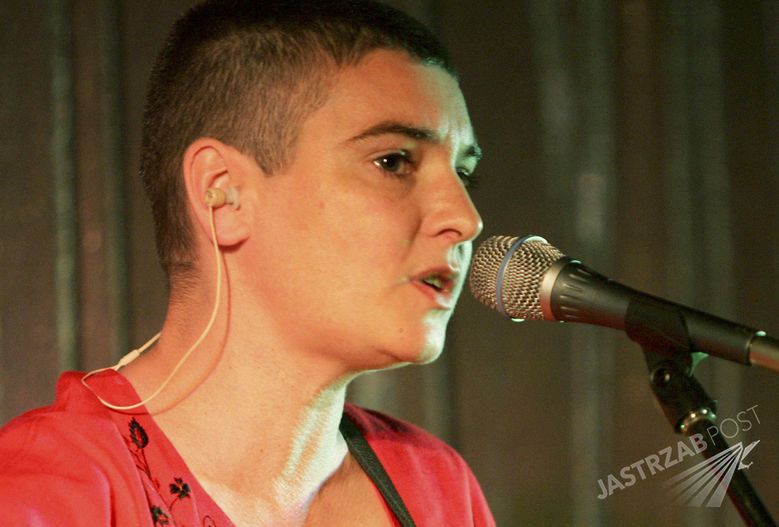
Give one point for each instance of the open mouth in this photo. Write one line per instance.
(439, 282)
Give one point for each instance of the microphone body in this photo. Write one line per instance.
(558, 288)
(572, 292)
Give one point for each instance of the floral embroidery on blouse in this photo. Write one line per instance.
(179, 489)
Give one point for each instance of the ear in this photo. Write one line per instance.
(209, 163)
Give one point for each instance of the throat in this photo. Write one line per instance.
(307, 469)
(298, 490)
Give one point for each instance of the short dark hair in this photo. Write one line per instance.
(248, 73)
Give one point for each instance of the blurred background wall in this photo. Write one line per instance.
(641, 137)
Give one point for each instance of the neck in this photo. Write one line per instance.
(270, 415)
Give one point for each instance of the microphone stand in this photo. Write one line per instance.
(686, 405)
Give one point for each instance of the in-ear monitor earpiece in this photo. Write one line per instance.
(216, 197)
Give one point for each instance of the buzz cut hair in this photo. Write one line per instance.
(248, 73)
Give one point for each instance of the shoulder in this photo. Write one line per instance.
(432, 477)
(65, 424)
(386, 432)
(55, 459)
(406, 448)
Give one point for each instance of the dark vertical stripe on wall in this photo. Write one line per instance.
(556, 96)
(560, 114)
(678, 155)
(708, 111)
(713, 197)
(574, 61)
(63, 173)
(680, 185)
(115, 184)
(591, 353)
(770, 11)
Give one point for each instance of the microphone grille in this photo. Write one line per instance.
(522, 276)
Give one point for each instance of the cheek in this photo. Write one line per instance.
(380, 226)
(342, 233)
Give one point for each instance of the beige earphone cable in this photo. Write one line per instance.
(134, 354)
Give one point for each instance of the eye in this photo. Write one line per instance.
(469, 179)
(396, 164)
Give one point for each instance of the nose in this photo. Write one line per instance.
(450, 212)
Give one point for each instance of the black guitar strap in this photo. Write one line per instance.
(367, 459)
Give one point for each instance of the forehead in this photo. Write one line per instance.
(389, 86)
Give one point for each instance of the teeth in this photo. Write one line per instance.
(434, 281)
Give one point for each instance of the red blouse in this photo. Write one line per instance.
(77, 463)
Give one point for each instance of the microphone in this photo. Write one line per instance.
(529, 279)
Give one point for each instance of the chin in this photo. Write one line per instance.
(423, 345)
(423, 351)
(435, 335)
(429, 354)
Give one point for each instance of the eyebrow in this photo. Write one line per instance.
(412, 132)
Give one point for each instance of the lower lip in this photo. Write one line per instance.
(443, 299)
